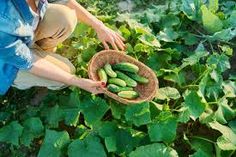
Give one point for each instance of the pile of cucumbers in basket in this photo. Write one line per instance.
(121, 79)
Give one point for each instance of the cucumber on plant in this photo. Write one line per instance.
(109, 70)
(125, 66)
(129, 81)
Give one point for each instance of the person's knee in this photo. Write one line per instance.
(64, 15)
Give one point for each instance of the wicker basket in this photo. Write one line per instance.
(147, 91)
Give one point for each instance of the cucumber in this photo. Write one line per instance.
(129, 81)
(138, 78)
(128, 94)
(117, 81)
(115, 89)
(125, 66)
(102, 75)
(126, 89)
(109, 70)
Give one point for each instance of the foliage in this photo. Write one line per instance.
(189, 44)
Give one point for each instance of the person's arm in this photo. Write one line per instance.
(105, 34)
(43, 68)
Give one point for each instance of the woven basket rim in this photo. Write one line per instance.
(114, 96)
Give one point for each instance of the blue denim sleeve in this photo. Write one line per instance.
(14, 51)
(58, 1)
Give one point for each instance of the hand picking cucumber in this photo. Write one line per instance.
(128, 94)
(109, 70)
(115, 89)
(117, 81)
(102, 75)
(138, 78)
(125, 66)
(129, 81)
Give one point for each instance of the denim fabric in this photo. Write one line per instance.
(16, 36)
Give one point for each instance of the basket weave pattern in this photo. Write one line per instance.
(146, 91)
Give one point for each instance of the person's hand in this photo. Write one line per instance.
(108, 36)
(95, 87)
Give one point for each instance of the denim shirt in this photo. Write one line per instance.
(16, 36)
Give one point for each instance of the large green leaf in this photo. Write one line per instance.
(149, 40)
(200, 153)
(193, 59)
(168, 35)
(110, 143)
(125, 142)
(159, 60)
(231, 19)
(154, 150)
(71, 116)
(213, 5)
(224, 35)
(88, 147)
(209, 87)
(54, 143)
(225, 144)
(199, 143)
(184, 115)
(210, 21)
(163, 130)
(168, 93)
(191, 8)
(194, 103)
(178, 78)
(227, 134)
(33, 128)
(117, 109)
(232, 125)
(88, 53)
(138, 114)
(113, 135)
(224, 112)
(229, 89)
(93, 108)
(53, 115)
(107, 129)
(221, 61)
(11, 133)
(169, 21)
(125, 31)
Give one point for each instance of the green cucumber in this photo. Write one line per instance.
(138, 78)
(129, 81)
(115, 89)
(126, 89)
(109, 70)
(128, 94)
(102, 75)
(125, 66)
(117, 81)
